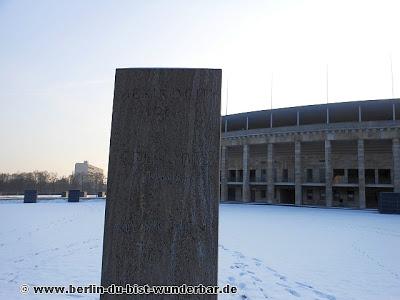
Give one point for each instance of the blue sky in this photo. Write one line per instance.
(58, 58)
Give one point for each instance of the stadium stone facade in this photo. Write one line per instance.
(334, 155)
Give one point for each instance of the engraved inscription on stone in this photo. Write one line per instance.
(161, 222)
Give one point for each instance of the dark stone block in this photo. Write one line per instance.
(64, 194)
(30, 196)
(389, 203)
(161, 221)
(73, 195)
(83, 194)
(101, 194)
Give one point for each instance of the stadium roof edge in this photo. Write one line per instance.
(386, 100)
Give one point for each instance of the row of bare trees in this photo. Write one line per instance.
(49, 183)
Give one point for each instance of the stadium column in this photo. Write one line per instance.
(270, 170)
(396, 165)
(246, 184)
(361, 173)
(224, 185)
(328, 173)
(297, 171)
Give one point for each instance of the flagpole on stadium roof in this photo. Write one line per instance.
(391, 72)
(272, 81)
(226, 107)
(227, 98)
(271, 86)
(327, 84)
(327, 94)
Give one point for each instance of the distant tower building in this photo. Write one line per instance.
(89, 177)
(85, 169)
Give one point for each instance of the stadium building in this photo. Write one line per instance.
(335, 155)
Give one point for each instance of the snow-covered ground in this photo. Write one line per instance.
(269, 252)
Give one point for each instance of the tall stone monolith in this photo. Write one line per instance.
(161, 220)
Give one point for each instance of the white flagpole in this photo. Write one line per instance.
(272, 81)
(391, 71)
(270, 116)
(327, 94)
(227, 98)
(327, 84)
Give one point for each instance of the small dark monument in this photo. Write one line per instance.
(83, 194)
(389, 203)
(64, 194)
(101, 194)
(161, 220)
(73, 195)
(30, 196)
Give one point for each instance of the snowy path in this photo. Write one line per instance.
(269, 252)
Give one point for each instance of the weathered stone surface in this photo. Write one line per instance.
(161, 222)
(270, 177)
(30, 196)
(73, 195)
(389, 203)
(297, 172)
(246, 178)
(224, 179)
(361, 173)
(328, 173)
(396, 164)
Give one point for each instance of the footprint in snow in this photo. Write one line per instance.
(270, 269)
(264, 294)
(293, 292)
(223, 247)
(281, 277)
(323, 295)
(245, 267)
(303, 285)
(283, 285)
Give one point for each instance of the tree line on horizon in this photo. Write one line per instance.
(49, 183)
